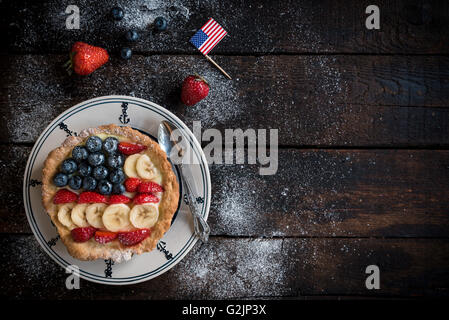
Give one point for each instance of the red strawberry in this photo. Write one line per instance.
(118, 199)
(85, 59)
(131, 184)
(130, 148)
(145, 198)
(83, 234)
(64, 196)
(131, 238)
(149, 187)
(92, 197)
(105, 236)
(194, 89)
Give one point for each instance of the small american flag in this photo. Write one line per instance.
(208, 36)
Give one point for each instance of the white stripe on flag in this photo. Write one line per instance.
(207, 24)
(214, 42)
(212, 36)
(211, 28)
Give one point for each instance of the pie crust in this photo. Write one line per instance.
(114, 250)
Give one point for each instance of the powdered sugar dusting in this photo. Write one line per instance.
(241, 268)
(140, 15)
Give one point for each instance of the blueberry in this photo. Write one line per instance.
(117, 13)
(118, 188)
(75, 182)
(100, 172)
(60, 179)
(160, 23)
(84, 169)
(116, 160)
(104, 187)
(79, 153)
(93, 144)
(89, 183)
(68, 166)
(96, 159)
(132, 35)
(126, 53)
(117, 176)
(110, 145)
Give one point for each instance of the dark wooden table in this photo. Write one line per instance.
(363, 119)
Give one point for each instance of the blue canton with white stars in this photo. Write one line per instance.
(198, 39)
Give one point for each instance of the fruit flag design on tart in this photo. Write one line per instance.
(108, 190)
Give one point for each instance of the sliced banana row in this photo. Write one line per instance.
(116, 217)
(144, 215)
(140, 166)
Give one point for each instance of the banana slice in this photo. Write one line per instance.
(94, 214)
(116, 217)
(130, 165)
(144, 215)
(79, 215)
(145, 168)
(64, 215)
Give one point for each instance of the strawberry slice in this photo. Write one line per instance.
(64, 196)
(131, 238)
(130, 148)
(92, 197)
(145, 198)
(149, 187)
(120, 198)
(105, 236)
(131, 184)
(83, 234)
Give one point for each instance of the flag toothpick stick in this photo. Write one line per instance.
(207, 38)
(219, 68)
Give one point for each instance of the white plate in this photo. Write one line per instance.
(144, 116)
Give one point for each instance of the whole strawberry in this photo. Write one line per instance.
(194, 89)
(85, 59)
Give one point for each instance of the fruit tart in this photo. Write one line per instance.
(110, 192)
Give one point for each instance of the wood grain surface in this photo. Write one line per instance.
(312, 100)
(264, 27)
(363, 120)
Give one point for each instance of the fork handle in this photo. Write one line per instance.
(202, 229)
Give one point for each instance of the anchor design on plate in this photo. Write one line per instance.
(34, 182)
(124, 116)
(69, 132)
(161, 246)
(108, 270)
(52, 242)
(199, 200)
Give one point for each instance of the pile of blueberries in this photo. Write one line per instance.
(98, 165)
(160, 24)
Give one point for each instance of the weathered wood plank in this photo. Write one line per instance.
(312, 100)
(267, 27)
(250, 268)
(315, 193)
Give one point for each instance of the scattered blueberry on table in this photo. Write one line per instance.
(160, 23)
(117, 13)
(132, 35)
(126, 53)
